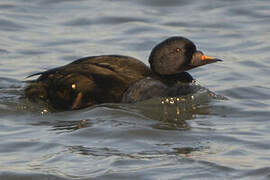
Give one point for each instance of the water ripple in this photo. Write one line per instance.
(103, 21)
(204, 138)
(8, 25)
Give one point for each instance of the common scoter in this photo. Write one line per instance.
(115, 78)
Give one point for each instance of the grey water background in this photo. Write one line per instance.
(198, 138)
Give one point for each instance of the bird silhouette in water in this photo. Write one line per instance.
(115, 78)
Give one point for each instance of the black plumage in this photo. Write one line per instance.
(115, 78)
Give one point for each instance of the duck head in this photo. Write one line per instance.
(176, 55)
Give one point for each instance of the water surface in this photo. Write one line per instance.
(199, 137)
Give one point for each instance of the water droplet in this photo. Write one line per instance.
(171, 100)
(44, 111)
(177, 111)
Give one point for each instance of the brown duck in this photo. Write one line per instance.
(115, 78)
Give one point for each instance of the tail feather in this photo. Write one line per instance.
(39, 73)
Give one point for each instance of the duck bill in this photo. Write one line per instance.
(208, 59)
(200, 59)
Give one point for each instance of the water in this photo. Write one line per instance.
(201, 138)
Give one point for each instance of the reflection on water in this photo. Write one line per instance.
(66, 126)
(199, 136)
(172, 112)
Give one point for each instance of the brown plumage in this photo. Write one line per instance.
(114, 78)
(87, 81)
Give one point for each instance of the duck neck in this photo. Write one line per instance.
(171, 79)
